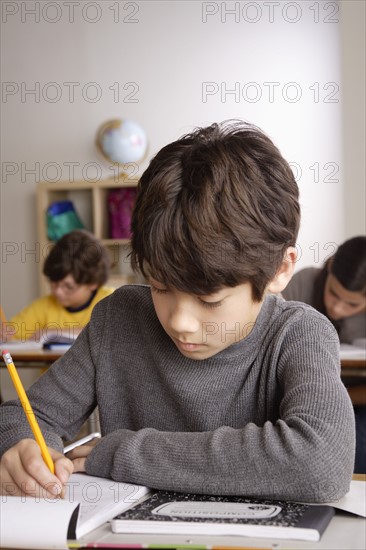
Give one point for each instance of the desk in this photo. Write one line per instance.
(343, 533)
(33, 358)
(30, 359)
(353, 373)
(353, 367)
(43, 359)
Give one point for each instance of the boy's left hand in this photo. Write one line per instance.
(79, 454)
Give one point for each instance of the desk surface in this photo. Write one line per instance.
(353, 371)
(31, 356)
(353, 363)
(343, 533)
(47, 356)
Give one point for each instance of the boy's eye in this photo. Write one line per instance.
(211, 304)
(158, 290)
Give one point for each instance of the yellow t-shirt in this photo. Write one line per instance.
(47, 316)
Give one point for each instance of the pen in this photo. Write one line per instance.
(81, 441)
(28, 410)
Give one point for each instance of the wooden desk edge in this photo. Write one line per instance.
(359, 477)
(46, 356)
(353, 363)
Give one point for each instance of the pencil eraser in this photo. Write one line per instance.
(4, 352)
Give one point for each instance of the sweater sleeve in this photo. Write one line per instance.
(307, 454)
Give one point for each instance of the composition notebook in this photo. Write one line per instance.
(167, 512)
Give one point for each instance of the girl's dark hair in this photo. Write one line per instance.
(348, 265)
(218, 207)
(80, 254)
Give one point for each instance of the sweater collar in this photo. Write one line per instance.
(84, 306)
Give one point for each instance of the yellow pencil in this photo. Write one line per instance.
(2, 315)
(28, 410)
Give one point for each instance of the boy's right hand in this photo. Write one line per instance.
(23, 471)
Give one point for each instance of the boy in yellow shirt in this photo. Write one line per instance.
(77, 268)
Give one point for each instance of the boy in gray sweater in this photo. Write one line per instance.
(206, 381)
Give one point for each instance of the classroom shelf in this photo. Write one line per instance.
(90, 202)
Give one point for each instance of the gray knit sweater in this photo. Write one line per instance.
(266, 417)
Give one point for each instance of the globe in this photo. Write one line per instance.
(122, 141)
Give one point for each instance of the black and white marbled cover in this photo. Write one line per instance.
(276, 513)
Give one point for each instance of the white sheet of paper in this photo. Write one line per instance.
(354, 501)
(18, 528)
(43, 523)
(100, 499)
(22, 345)
(348, 351)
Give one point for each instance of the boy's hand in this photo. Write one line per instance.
(23, 471)
(79, 454)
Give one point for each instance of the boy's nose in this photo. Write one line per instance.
(182, 321)
(338, 309)
(57, 291)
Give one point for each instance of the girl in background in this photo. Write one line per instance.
(338, 290)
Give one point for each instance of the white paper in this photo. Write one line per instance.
(348, 351)
(100, 499)
(21, 345)
(48, 336)
(31, 523)
(354, 501)
(43, 523)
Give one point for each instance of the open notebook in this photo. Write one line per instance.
(53, 341)
(50, 523)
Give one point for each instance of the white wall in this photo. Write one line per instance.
(282, 59)
(353, 60)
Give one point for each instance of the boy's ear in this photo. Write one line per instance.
(284, 273)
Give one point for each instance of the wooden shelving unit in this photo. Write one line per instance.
(90, 202)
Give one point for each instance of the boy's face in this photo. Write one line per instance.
(69, 293)
(201, 326)
(340, 302)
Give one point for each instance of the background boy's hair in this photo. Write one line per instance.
(218, 207)
(80, 254)
(348, 265)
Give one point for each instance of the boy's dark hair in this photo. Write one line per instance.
(218, 207)
(348, 265)
(80, 254)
